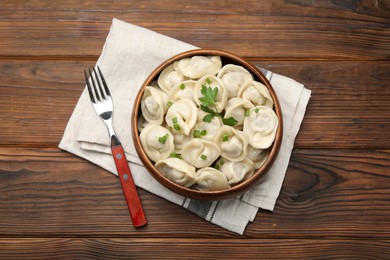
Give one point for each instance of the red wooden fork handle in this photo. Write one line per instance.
(129, 189)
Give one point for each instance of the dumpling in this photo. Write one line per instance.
(181, 116)
(232, 143)
(179, 140)
(142, 123)
(157, 142)
(200, 153)
(210, 179)
(206, 130)
(257, 156)
(236, 172)
(177, 171)
(213, 82)
(184, 89)
(237, 108)
(198, 66)
(154, 105)
(234, 76)
(170, 77)
(256, 93)
(260, 125)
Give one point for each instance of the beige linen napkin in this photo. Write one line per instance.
(129, 55)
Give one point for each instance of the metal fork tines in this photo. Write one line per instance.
(102, 102)
(101, 98)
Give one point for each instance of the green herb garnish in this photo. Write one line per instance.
(218, 164)
(229, 121)
(209, 95)
(225, 137)
(163, 139)
(203, 157)
(196, 134)
(257, 110)
(199, 133)
(174, 120)
(208, 118)
(176, 126)
(247, 112)
(207, 109)
(208, 105)
(169, 103)
(182, 86)
(175, 155)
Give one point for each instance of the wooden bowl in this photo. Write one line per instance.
(238, 189)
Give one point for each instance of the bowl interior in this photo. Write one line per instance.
(227, 58)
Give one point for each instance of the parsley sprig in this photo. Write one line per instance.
(208, 105)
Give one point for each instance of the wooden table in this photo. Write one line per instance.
(335, 201)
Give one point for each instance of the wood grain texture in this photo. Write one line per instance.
(349, 100)
(122, 248)
(327, 193)
(276, 29)
(334, 203)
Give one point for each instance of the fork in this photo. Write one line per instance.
(102, 102)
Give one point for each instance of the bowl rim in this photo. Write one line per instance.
(197, 194)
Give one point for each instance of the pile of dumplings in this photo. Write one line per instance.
(208, 156)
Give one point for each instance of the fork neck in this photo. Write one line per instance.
(114, 141)
(111, 132)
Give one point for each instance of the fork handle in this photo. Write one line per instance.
(129, 189)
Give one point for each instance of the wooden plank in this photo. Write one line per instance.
(150, 248)
(277, 30)
(334, 201)
(349, 100)
(326, 193)
(365, 9)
